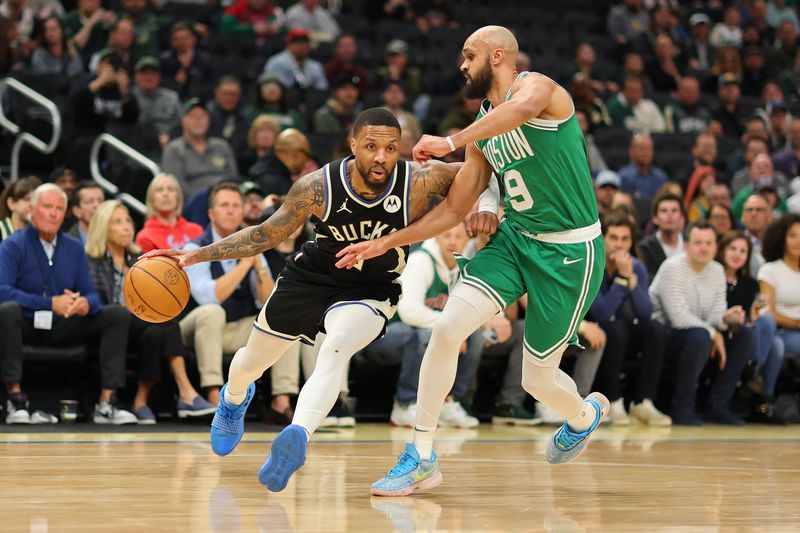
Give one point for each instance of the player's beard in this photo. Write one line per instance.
(375, 186)
(478, 86)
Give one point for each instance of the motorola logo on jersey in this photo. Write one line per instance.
(366, 230)
(392, 204)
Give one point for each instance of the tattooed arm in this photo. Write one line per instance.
(305, 198)
(428, 181)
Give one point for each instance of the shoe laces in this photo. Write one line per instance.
(405, 464)
(565, 439)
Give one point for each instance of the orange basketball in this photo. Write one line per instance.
(156, 289)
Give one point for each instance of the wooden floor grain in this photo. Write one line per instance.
(495, 479)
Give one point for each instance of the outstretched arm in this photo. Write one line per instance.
(306, 197)
(468, 184)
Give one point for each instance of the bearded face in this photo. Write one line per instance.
(479, 83)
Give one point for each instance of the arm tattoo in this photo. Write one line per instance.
(434, 178)
(306, 197)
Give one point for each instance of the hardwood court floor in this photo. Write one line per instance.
(495, 479)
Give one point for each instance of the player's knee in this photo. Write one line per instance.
(211, 314)
(538, 381)
(448, 332)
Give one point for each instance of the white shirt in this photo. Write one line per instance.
(786, 283)
(49, 248)
(669, 251)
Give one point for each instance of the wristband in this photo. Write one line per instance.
(622, 280)
(451, 144)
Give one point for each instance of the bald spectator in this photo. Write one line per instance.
(276, 172)
(344, 60)
(196, 160)
(756, 217)
(762, 178)
(753, 147)
(686, 114)
(309, 15)
(293, 67)
(640, 178)
(629, 109)
(47, 297)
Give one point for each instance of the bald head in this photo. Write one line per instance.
(293, 149)
(490, 39)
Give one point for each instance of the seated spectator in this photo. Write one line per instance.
(629, 109)
(20, 12)
(729, 113)
(633, 67)
(689, 297)
(227, 120)
(120, 47)
(753, 147)
(583, 67)
(339, 111)
(55, 55)
(87, 198)
(720, 218)
(271, 100)
(758, 19)
(606, 185)
(88, 26)
(596, 161)
(779, 279)
(148, 25)
(778, 11)
(398, 69)
(394, 97)
(754, 73)
(104, 100)
(756, 218)
(586, 101)
(729, 31)
(720, 195)
(226, 295)
(701, 52)
(345, 53)
(663, 70)
(159, 107)
(13, 55)
(734, 254)
(185, 68)
(789, 80)
(669, 218)
(777, 117)
(430, 273)
(15, 205)
(762, 178)
(310, 16)
(622, 309)
(293, 67)
(639, 177)
(254, 207)
(626, 21)
(704, 154)
(195, 159)
(257, 17)
(783, 55)
(276, 172)
(461, 114)
(260, 140)
(164, 227)
(111, 253)
(697, 201)
(686, 114)
(47, 297)
(787, 159)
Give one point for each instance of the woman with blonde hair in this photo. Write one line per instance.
(111, 251)
(261, 138)
(165, 227)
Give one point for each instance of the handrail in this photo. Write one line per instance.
(25, 137)
(97, 174)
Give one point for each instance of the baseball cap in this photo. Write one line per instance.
(699, 18)
(147, 62)
(347, 78)
(297, 34)
(250, 186)
(764, 184)
(728, 78)
(607, 177)
(776, 105)
(105, 53)
(397, 46)
(191, 103)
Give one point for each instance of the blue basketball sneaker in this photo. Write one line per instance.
(410, 473)
(567, 444)
(227, 427)
(287, 455)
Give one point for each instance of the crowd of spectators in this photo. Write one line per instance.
(688, 109)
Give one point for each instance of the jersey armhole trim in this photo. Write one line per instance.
(407, 199)
(327, 186)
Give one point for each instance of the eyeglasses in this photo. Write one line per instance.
(755, 210)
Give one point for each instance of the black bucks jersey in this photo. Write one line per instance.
(348, 218)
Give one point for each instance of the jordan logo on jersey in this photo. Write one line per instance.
(507, 148)
(344, 207)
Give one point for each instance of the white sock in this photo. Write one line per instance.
(584, 419)
(554, 388)
(423, 442)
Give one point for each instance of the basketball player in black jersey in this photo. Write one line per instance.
(358, 198)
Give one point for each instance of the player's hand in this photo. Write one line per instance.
(183, 257)
(430, 146)
(360, 251)
(482, 223)
(718, 348)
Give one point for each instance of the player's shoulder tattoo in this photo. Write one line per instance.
(307, 195)
(433, 178)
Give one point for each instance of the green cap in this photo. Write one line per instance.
(147, 62)
(191, 103)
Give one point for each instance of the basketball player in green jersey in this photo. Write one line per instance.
(549, 246)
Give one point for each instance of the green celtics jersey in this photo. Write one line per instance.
(545, 171)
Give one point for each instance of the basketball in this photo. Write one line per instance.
(156, 289)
